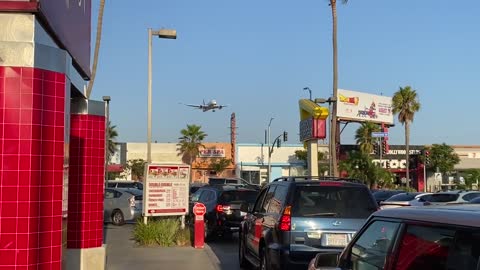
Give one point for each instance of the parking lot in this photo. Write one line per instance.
(124, 254)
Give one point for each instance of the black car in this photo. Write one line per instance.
(383, 195)
(226, 207)
(295, 218)
(231, 181)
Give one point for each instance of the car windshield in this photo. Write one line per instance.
(385, 194)
(334, 201)
(443, 197)
(402, 197)
(248, 196)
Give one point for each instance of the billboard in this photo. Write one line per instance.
(70, 21)
(363, 107)
(166, 188)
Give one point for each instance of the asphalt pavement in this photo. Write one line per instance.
(124, 254)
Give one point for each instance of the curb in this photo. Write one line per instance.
(213, 258)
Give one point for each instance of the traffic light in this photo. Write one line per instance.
(279, 143)
(376, 148)
(385, 147)
(285, 136)
(426, 155)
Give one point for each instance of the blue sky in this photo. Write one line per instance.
(256, 56)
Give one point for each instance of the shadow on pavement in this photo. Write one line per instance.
(226, 250)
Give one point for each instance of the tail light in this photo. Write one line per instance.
(132, 201)
(286, 220)
(223, 208)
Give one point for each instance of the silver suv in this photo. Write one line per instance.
(450, 197)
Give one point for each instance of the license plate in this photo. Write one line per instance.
(336, 240)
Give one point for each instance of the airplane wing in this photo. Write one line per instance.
(193, 105)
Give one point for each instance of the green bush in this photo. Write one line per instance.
(162, 232)
(183, 237)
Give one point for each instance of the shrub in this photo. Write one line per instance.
(183, 237)
(160, 232)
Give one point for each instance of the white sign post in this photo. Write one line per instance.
(165, 192)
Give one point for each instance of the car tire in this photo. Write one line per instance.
(264, 261)
(117, 218)
(244, 263)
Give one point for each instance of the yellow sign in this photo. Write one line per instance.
(310, 109)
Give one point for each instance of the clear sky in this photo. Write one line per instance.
(257, 56)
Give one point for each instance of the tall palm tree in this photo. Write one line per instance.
(334, 125)
(190, 143)
(112, 136)
(363, 136)
(405, 103)
(97, 47)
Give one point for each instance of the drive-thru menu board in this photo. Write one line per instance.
(166, 190)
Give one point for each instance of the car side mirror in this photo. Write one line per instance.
(326, 261)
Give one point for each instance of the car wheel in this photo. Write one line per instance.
(264, 261)
(244, 263)
(117, 218)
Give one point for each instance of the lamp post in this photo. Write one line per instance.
(162, 33)
(269, 167)
(106, 99)
(309, 91)
(331, 144)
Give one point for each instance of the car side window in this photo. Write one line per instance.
(471, 196)
(372, 248)
(278, 200)
(258, 204)
(425, 247)
(196, 196)
(207, 196)
(117, 194)
(268, 198)
(109, 194)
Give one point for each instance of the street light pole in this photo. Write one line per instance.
(149, 102)
(106, 99)
(269, 152)
(162, 33)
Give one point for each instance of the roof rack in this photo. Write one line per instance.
(320, 178)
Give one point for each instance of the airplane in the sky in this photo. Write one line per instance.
(212, 105)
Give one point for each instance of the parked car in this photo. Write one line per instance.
(226, 207)
(231, 181)
(405, 199)
(451, 197)
(413, 238)
(294, 218)
(124, 184)
(122, 205)
(475, 201)
(382, 195)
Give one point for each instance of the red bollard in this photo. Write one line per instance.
(199, 211)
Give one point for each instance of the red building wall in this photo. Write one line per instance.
(32, 108)
(86, 184)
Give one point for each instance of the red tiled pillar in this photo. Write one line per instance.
(86, 180)
(32, 111)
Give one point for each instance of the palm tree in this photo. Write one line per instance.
(405, 103)
(190, 143)
(112, 136)
(334, 131)
(97, 47)
(363, 136)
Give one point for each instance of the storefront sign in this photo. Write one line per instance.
(212, 153)
(166, 190)
(311, 129)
